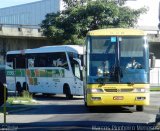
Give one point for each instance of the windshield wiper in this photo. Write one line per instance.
(100, 80)
(117, 74)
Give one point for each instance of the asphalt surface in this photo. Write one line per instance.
(57, 113)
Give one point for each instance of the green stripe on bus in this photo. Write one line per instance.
(32, 73)
(18, 72)
(23, 72)
(9, 72)
(49, 73)
(36, 73)
(43, 73)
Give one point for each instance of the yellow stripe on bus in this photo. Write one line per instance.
(116, 32)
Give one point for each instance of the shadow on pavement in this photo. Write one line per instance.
(55, 97)
(67, 109)
(50, 104)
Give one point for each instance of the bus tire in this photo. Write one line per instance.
(139, 108)
(85, 104)
(32, 94)
(67, 91)
(91, 108)
(25, 86)
(19, 88)
(48, 94)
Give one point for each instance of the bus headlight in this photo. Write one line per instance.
(94, 90)
(141, 90)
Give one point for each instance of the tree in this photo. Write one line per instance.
(71, 25)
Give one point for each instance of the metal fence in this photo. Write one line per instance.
(155, 76)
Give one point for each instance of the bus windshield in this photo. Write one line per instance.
(117, 59)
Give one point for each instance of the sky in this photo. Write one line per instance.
(151, 17)
(152, 11)
(8, 3)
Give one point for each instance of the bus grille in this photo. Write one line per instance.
(126, 90)
(118, 90)
(110, 90)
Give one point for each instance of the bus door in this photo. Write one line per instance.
(77, 77)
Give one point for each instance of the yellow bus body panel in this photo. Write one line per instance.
(108, 98)
(116, 32)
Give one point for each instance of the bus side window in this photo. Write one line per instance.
(61, 60)
(42, 62)
(30, 63)
(10, 60)
(54, 63)
(10, 64)
(19, 62)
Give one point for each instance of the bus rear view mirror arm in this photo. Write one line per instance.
(153, 60)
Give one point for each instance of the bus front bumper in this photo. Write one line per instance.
(120, 99)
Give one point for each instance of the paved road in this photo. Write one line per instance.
(57, 113)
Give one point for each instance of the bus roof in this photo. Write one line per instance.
(47, 49)
(116, 32)
(79, 48)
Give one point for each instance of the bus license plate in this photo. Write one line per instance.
(118, 98)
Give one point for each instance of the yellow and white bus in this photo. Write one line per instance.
(117, 68)
(47, 70)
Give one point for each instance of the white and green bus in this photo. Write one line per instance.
(47, 70)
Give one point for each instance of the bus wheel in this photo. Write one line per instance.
(139, 108)
(46, 94)
(19, 88)
(91, 108)
(67, 91)
(25, 86)
(69, 96)
(32, 94)
(85, 104)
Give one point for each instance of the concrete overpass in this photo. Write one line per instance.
(17, 37)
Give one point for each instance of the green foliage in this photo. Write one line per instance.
(155, 88)
(26, 98)
(26, 94)
(71, 25)
(19, 100)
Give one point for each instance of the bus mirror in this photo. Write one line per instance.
(153, 60)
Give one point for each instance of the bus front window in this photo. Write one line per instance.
(111, 61)
(101, 59)
(133, 60)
